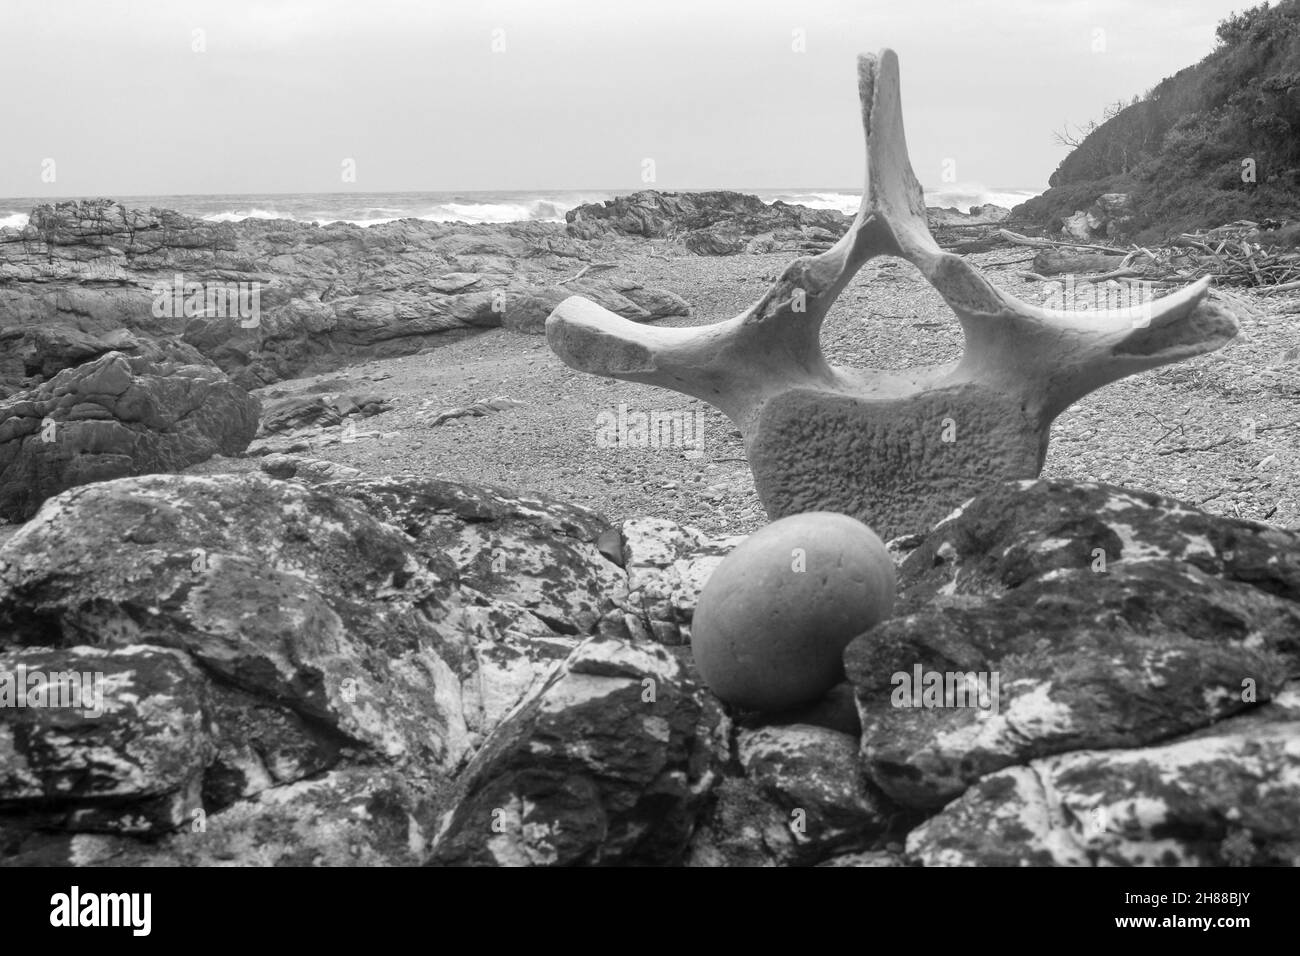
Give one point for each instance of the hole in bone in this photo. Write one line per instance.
(862, 331)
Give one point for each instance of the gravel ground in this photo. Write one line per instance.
(1183, 430)
(1147, 431)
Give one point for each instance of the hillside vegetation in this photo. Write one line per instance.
(1215, 142)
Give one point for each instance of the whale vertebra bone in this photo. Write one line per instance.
(897, 450)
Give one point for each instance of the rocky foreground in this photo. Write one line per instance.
(313, 649)
(407, 671)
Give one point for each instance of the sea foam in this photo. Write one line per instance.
(373, 209)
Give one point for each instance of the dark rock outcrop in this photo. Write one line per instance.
(316, 675)
(1226, 796)
(531, 551)
(609, 764)
(122, 726)
(1118, 625)
(710, 223)
(985, 215)
(311, 471)
(724, 223)
(301, 411)
(270, 299)
(799, 800)
(528, 311)
(34, 354)
(112, 417)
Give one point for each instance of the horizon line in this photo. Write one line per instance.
(598, 189)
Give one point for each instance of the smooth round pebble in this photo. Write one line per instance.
(771, 624)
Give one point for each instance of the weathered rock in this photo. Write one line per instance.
(866, 858)
(835, 710)
(989, 212)
(340, 670)
(721, 240)
(1227, 796)
(354, 816)
(533, 551)
(301, 411)
(744, 827)
(986, 214)
(1108, 619)
(316, 437)
(44, 352)
(306, 600)
(654, 303)
(667, 566)
(897, 450)
(973, 231)
(515, 653)
(477, 410)
(709, 223)
(113, 417)
(114, 741)
(609, 764)
(1112, 216)
(311, 470)
(1024, 530)
(801, 800)
(325, 295)
(805, 239)
(31, 354)
(527, 311)
(1116, 212)
(1080, 226)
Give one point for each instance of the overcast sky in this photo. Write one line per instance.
(577, 94)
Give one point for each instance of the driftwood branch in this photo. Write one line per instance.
(1284, 287)
(589, 267)
(1017, 239)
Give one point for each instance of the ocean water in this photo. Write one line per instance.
(369, 209)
